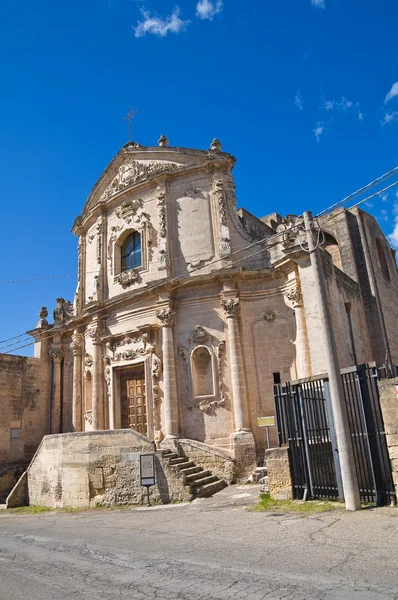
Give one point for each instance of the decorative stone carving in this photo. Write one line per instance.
(156, 365)
(107, 373)
(128, 209)
(77, 345)
(139, 347)
(222, 205)
(184, 357)
(88, 360)
(96, 333)
(200, 335)
(89, 417)
(216, 145)
(194, 264)
(290, 230)
(230, 306)
(56, 355)
(63, 311)
(131, 172)
(126, 278)
(114, 232)
(294, 296)
(163, 141)
(269, 316)
(202, 339)
(219, 353)
(165, 316)
(43, 314)
(163, 258)
(99, 243)
(162, 213)
(190, 192)
(225, 247)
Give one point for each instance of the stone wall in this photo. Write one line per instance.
(279, 479)
(219, 462)
(23, 418)
(81, 470)
(389, 405)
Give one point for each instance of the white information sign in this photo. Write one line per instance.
(147, 469)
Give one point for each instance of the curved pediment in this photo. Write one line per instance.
(135, 164)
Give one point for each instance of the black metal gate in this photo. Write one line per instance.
(305, 424)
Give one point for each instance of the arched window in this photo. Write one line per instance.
(131, 252)
(89, 392)
(382, 259)
(202, 371)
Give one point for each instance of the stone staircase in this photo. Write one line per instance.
(201, 483)
(260, 475)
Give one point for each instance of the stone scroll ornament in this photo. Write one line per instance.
(163, 257)
(225, 238)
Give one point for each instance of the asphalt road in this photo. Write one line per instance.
(208, 550)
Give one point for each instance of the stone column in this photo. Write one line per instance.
(230, 306)
(77, 347)
(303, 357)
(56, 392)
(166, 318)
(97, 379)
(243, 439)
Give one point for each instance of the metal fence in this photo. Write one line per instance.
(305, 424)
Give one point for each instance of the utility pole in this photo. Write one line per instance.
(339, 408)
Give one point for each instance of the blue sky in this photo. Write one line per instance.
(301, 92)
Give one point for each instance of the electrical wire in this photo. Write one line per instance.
(362, 190)
(187, 282)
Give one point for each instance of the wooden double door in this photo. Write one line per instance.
(132, 399)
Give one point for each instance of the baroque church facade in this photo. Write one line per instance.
(188, 310)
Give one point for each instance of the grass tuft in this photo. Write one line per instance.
(268, 504)
(30, 510)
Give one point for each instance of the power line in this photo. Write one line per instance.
(362, 190)
(187, 282)
(13, 344)
(13, 338)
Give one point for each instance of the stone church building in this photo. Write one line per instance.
(188, 310)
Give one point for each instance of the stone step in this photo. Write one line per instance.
(170, 455)
(211, 488)
(191, 470)
(203, 481)
(185, 465)
(195, 476)
(177, 461)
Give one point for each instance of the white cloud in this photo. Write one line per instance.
(392, 93)
(319, 130)
(319, 3)
(393, 236)
(298, 101)
(158, 26)
(389, 117)
(344, 105)
(384, 214)
(207, 9)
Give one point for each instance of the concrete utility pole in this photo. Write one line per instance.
(339, 408)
